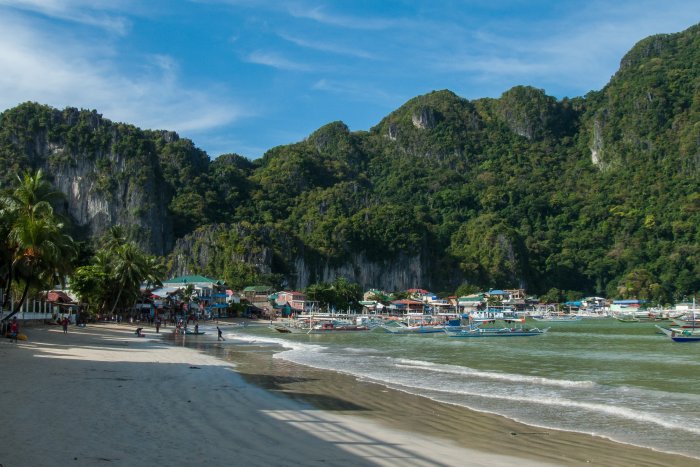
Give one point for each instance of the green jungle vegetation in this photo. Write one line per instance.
(596, 194)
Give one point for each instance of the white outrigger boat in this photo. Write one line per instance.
(499, 332)
(558, 318)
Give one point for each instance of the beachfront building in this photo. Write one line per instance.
(471, 302)
(258, 296)
(421, 295)
(376, 295)
(232, 297)
(406, 306)
(497, 295)
(62, 303)
(624, 307)
(210, 293)
(289, 302)
(373, 300)
(515, 298)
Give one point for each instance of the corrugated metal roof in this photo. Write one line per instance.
(191, 280)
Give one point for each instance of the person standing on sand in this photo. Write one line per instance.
(65, 325)
(157, 324)
(221, 337)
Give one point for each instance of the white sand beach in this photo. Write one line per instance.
(102, 396)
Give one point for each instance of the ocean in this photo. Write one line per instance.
(622, 381)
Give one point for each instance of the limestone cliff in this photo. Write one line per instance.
(109, 173)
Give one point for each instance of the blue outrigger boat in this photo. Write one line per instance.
(680, 335)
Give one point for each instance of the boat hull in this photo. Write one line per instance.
(680, 335)
(338, 329)
(558, 320)
(413, 330)
(498, 333)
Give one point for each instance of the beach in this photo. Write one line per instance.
(100, 395)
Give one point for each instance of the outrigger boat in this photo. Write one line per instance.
(558, 318)
(510, 330)
(627, 318)
(337, 326)
(691, 321)
(284, 329)
(313, 324)
(501, 332)
(401, 328)
(680, 335)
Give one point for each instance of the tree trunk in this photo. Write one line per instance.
(19, 304)
(119, 295)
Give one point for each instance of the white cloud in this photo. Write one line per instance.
(327, 47)
(320, 15)
(61, 70)
(360, 91)
(89, 12)
(275, 60)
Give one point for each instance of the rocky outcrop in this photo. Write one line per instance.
(219, 249)
(109, 173)
(400, 274)
(424, 118)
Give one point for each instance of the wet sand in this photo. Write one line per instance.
(102, 396)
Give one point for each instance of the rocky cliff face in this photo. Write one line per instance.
(222, 249)
(109, 173)
(401, 274)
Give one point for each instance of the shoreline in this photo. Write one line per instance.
(507, 436)
(103, 394)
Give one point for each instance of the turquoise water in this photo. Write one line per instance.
(622, 381)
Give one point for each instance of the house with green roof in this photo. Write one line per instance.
(211, 293)
(471, 302)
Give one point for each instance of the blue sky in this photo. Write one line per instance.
(244, 76)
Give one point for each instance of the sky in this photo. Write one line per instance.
(244, 76)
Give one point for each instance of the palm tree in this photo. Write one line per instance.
(42, 253)
(37, 252)
(5, 252)
(154, 270)
(129, 269)
(114, 238)
(188, 294)
(347, 294)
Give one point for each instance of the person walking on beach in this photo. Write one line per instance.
(157, 324)
(65, 325)
(14, 330)
(221, 337)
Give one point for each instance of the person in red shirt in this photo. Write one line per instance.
(14, 330)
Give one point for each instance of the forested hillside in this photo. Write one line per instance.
(597, 194)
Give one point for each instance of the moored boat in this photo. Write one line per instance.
(627, 318)
(558, 318)
(418, 329)
(680, 335)
(498, 332)
(689, 320)
(337, 326)
(284, 329)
